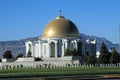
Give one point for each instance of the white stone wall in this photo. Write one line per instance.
(37, 64)
(25, 59)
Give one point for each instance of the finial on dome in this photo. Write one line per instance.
(60, 15)
(60, 11)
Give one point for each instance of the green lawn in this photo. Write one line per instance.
(60, 71)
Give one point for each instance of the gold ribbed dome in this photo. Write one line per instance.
(60, 28)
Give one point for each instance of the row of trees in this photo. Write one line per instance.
(8, 54)
(108, 57)
(105, 56)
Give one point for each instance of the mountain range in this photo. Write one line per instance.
(18, 46)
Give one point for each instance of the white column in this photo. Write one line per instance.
(36, 50)
(55, 50)
(27, 47)
(32, 49)
(40, 49)
(63, 48)
(49, 50)
(43, 55)
(76, 45)
(45, 50)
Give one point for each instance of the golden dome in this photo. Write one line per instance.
(60, 28)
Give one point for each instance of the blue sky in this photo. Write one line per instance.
(27, 18)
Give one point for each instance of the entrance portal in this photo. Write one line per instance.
(52, 49)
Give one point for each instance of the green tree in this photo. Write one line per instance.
(7, 54)
(104, 57)
(19, 55)
(90, 59)
(69, 52)
(29, 54)
(115, 57)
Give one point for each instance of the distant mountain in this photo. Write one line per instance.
(18, 46)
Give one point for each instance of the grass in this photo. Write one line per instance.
(60, 72)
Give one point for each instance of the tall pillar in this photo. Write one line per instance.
(32, 50)
(76, 45)
(27, 47)
(40, 49)
(36, 54)
(56, 50)
(63, 48)
(49, 50)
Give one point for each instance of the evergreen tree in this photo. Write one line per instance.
(72, 52)
(7, 54)
(115, 57)
(104, 57)
(29, 54)
(90, 59)
(19, 55)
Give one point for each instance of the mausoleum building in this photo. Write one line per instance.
(60, 38)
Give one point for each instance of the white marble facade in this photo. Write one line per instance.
(51, 48)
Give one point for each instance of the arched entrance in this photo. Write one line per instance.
(52, 49)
